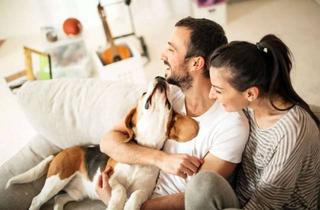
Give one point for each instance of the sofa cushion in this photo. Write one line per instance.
(68, 112)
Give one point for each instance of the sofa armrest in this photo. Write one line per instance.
(20, 196)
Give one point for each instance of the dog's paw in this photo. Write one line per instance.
(57, 205)
(35, 205)
(131, 205)
(9, 183)
(111, 207)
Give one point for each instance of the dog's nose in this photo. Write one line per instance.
(159, 78)
(161, 83)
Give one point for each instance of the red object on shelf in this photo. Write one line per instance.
(72, 26)
(206, 3)
(2, 41)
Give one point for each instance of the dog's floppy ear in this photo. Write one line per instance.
(183, 128)
(130, 122)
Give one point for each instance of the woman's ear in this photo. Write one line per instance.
(130, 122)
(252, 93)
(183, 128)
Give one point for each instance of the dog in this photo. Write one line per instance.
(75, 170)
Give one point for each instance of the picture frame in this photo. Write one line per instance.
(70, 58)
(37, 64)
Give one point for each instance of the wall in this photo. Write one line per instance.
(21, 17)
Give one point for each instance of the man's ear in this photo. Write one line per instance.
(198, 63)
(130, 122)
(183, 128)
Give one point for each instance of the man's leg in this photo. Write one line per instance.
(210, 191)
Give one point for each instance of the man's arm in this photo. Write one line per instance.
(113, 145)
(178, 164)
(176, 201)
(228, 135)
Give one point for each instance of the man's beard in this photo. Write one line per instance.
(182, 81)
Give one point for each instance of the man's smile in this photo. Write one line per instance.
(167, 64)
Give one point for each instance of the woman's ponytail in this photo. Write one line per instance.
(281, 65)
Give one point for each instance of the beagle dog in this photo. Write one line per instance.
(76, 170)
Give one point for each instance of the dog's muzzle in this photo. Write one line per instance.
(162, 85)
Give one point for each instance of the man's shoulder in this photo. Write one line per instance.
(235, 122)
(228, 117)
(220, 122)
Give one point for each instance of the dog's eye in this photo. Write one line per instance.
(148, 103)
(144, 93)
(168, 104)
(146, 106)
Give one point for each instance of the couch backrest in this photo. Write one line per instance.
(68, 112)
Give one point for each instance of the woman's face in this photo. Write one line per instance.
(221, 90)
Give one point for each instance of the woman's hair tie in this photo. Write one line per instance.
(261, 48)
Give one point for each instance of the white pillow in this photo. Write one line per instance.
(70, 112)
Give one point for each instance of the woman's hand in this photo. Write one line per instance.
(103, 188)
(182, 165)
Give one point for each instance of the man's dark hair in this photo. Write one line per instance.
(206, 36)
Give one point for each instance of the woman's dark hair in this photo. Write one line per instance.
(266, 65)
(206, 36)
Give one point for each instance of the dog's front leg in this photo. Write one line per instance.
(136, 199)
(118, 195)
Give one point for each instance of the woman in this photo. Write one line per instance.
(281, 163)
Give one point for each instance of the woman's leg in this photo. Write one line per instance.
(210, 191)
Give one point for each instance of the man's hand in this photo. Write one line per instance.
(103, 188)
(182, 165)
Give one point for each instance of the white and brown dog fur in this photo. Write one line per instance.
(76, 170)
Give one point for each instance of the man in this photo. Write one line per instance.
(221, 138)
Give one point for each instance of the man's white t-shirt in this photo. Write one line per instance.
(222, 134)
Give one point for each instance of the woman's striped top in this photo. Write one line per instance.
(281, 165)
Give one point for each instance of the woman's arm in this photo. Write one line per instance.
(168, 202)
(215, 164)
(278, 179)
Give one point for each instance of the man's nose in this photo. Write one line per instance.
(163, 55)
